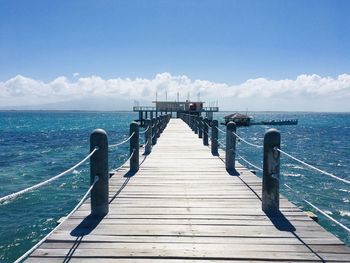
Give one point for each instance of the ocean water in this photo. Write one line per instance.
(35, 146)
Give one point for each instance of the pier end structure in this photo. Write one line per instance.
(175, 109)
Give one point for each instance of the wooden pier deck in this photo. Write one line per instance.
(182, 206)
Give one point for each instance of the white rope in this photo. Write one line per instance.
(222, 145)
(313, 167)
(249, 143)
(144, 131)
(320, 210)
(253, 165)
(30, 251)
(146, 142)
(220, 129)
(118, 168)
(15, 195)
(122, 142)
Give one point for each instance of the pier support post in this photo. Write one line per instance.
(271, 172)
(134, 147)
(214, 137)
(164, 122)
(196, 123)
(146, 124)
(230, 146)
(99, 168)
(148, 137)
(190, 120)
(158, 123)
(200, 127)
(193, 123)
(205, 131)
(161, 124)
(154, 131)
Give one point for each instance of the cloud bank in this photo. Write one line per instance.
(306, 92)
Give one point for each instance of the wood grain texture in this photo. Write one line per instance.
(182, 206)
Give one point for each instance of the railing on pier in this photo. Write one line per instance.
(174, 109)
(99, 168)
(271, 159)
(208, 132)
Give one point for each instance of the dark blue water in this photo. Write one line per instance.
(35, 146)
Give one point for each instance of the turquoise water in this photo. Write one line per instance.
(35, 146)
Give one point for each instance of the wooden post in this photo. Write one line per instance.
(205, 131)
(99, 168)
(154, 131)
(161, 124)
(164, 122)
(214, 137)
(196, 120)
(140, 116)
(158, 126)
(271, 172)
(134, 147)
(148, 137)
(190, 120)
(230, 146)
(146, 123)
(200, 127)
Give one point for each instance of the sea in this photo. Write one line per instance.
(36, 145)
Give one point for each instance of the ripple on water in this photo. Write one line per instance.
(344, 213)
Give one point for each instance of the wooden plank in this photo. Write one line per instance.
(182, 206)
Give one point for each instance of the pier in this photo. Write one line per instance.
(176, 108)
(184, 201)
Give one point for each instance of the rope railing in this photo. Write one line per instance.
(220, 130)
(303, 199)
(271, 139)
(319, 209)
(144, 131)
(98, 166)
(223, 146)
(207, 133)
(311, 166)
(127, 160)
(251, 164)
(122, 142)
(36, 186)
(245, 141)
(30, 251)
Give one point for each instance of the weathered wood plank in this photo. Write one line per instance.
(182, 206)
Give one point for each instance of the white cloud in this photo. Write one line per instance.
(259, 92)
(76, 74)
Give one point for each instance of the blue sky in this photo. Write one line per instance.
(220, 41)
